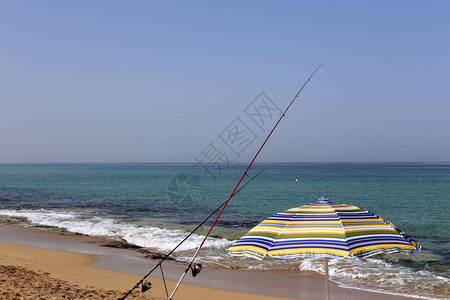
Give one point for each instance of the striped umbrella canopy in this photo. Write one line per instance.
(324, 228)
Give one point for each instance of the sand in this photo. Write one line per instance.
(22, 283)
(34, 266)
(32, 273)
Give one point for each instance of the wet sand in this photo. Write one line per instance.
(78, 267)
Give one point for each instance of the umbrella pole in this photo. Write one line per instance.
(327, 290)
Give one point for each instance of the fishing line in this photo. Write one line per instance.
(185, 238)
(239, 182)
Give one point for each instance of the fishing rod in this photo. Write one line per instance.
(239, 182)
(191, 233)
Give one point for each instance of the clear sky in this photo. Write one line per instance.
(157, 81)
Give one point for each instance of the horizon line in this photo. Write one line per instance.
(232, 163)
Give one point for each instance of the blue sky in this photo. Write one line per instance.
(144, 81)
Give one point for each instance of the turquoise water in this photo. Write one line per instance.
(152, 205)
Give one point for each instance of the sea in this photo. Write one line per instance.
(155, 205)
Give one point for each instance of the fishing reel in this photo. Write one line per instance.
(146, 286)
(196, 269)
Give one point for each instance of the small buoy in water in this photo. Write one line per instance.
(296, 180)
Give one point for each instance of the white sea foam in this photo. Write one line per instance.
(379, 275)
(89, 224)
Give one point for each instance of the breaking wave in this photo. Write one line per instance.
(89, 224)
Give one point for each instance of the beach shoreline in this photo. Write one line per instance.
(91, 265)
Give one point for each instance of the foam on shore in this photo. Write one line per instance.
(89, 224)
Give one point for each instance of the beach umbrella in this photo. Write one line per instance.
(324, 229)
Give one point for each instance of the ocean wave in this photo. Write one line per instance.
(377, 274)
(89, 224)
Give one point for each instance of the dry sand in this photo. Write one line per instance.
(21, 283)
(32, 273)
(33, 266)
